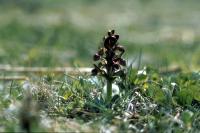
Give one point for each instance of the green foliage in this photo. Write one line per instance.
(180, 89)
(149, 101)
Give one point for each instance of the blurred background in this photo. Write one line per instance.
(49, 33)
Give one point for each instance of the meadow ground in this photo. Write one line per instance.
(162, 35)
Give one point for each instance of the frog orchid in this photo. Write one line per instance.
(109, 62)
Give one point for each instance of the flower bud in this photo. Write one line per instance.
(94, 72)
(116, 36)
(116, 66)
(122, 62)
(113, 32)
(96, 57)
(110, 42)
(113, 41)
(109, 33)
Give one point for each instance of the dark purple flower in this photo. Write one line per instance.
(96, 57)
(94, 72)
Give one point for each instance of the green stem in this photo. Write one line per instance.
(109, 91)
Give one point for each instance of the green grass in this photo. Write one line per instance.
(148, 101)
(155, 33)
(66, 33)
